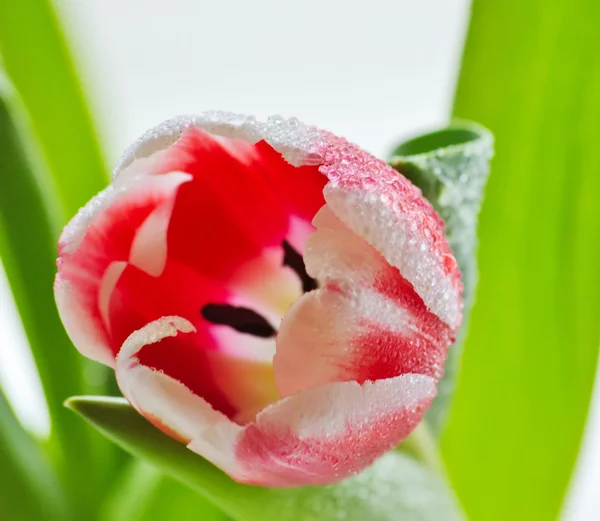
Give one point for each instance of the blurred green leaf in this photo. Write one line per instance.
(28, 488)
(451, 168)
(531, 74)
(396, 487)
(144, 493)
(28, 249)
(37, 60)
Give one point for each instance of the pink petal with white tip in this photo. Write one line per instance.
(315, 437)
(164, 401)
(328, 433)
(94, 239)
(365, 322)
(85, 330)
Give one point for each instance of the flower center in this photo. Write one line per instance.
(295, 261)
(246, 320)
(241, 319)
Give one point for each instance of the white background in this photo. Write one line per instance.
(372, 71)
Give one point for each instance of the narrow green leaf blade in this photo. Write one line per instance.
(396, 487)
(531, 74)
(28, 249)
(37, 60)
(28, 487)
(451, 167)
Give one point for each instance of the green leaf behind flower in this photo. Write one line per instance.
(29, 490)
(38, 62)
(396, 487)
(531, 74)
(28, 251)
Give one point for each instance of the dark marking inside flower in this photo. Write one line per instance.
(295, 261)
(241, 319)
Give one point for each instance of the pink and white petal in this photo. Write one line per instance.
(409, 239)
(365, 322)
(170, 405)
(99, 235)
(140, 298)
(325, 219)
(149, 247)
(325, 434)
(147, 161)
(106, 290)
(334, 253)
(114, 201)
(84, 329)
(319, 340)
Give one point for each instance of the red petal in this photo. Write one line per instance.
(328, 433)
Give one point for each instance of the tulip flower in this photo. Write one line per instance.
(269, 294)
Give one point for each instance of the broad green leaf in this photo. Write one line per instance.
(28, 249)
(28, 487)
(144, 493)
(37, 61)
(451, 168)
(396, 487)
(531, 74)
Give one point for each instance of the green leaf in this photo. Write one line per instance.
(29, 488)
(451, 168)
(28, 249)
(396, 487)
(144, 493)
(36, 57)
(531, 74)
(37, 60)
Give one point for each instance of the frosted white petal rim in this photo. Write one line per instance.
(298, 143)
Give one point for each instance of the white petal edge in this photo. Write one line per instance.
(108, 283)
(158, 396)
(324, 434)
(325, 411)
(89, 339)
(75, 230)
(296, 141)
(399, 242)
